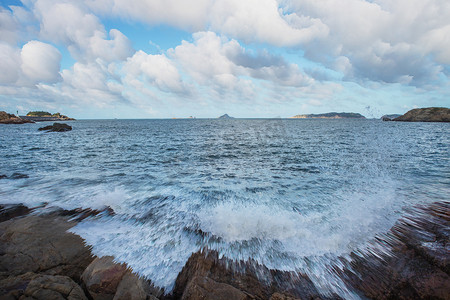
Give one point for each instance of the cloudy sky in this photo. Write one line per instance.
(203, 58)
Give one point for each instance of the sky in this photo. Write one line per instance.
(99, 59)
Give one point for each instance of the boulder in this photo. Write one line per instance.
(56, 127)
(18, 176)
(102, 277)
(105, 279)
(429, 114)
(45, 287)
(208, 289)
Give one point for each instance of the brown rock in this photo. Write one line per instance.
(102, 277)
(6, 118)
(429, 114)
(40, 244)
(133, 287)
(207, 289)
(46, 287)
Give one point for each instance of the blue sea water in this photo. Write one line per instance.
(291, 194)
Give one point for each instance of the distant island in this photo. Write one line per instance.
(225, 116)
(331, 115)
(40, 116)
(428, 114)
(389, 117)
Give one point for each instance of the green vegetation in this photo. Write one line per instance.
(39, 114)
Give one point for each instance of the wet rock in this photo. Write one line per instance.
(9, 211)
(132, 287)
(429, 114)
(13, 287)
(410, 262)
(2, 176)
(56, 127)
(205, 288)
(45, 287)
(248, 277)
(18, 176)
(41, 244)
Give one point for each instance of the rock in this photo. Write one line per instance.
(2, 176)
(12, 210)
(40, 244)
(413, 261)
(18, 176)
(45, 287)
(105, 279)
(430, 114)
(248, 277)
(207, 289)
(102, 277)
(56, 127)
(132, 287)
(6, 118)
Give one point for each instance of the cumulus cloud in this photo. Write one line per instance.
(81, 32)
(40, 62)
(155, 70)
(388, 41)
(212, 58)
(250, 20)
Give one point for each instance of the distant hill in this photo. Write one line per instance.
(389, 117)
(331, 115)
(225, 116)
(428, 114)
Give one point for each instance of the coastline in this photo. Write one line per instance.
(40, 259)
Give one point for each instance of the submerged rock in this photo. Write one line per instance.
(56, 127)
(429, 114)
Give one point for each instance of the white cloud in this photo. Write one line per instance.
(214, 59)
(40, 62)
(10, 64)
(156, 70)
(81, 32)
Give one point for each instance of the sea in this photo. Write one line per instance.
(289, 194)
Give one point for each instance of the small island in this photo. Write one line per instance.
(428, 114)
(225, 116)
(41, 116)
(331, 115)
(390, 117)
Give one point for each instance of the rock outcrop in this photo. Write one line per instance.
(56, 127)
(429, 114)
(39, 259)
(6, 118)
(225, 116)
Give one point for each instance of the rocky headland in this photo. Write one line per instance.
(40, 259)
(6, 118)
(331, 115)
(429, 114)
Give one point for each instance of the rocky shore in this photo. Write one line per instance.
(6, 118)
(39, 259)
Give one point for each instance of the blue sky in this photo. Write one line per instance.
(204, 58)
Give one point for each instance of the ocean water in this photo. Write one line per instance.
(290, 194)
